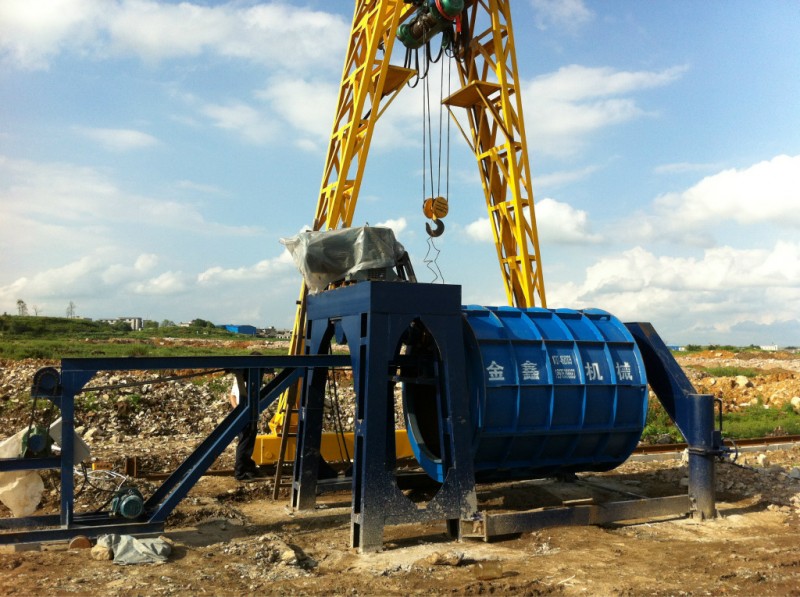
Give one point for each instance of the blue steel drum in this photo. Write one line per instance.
(550, 392)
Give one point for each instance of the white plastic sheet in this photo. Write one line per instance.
(130, 550)
(20, 491)
(329, 256)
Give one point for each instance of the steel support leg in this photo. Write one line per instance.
(702, 451)
(373, 317)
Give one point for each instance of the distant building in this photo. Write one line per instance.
(247, 330)
(770, 347)
(136, 323)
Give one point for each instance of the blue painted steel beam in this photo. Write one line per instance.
(225, 362)
(692, 413)
(178, 485)
(28, 464)
(76, 373)
(664, 374)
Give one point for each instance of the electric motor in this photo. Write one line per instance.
(432, 17)
(128, 503)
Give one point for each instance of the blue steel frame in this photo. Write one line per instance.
(692, 413)
(371, 317)
(76, 373)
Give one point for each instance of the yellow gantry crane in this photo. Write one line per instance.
(481, 40)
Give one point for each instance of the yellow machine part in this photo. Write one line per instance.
(268, 447)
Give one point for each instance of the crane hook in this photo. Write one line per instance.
(437, 231)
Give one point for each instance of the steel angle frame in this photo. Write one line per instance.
(62, 386)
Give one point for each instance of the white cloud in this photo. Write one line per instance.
(275, 34)
(397, 225)
(92, 211)
(307, 105)
(480, 230)
(725, 285)
(118, 273)
(119, 139)
(556, 223)
(562, 177)
(565, 107)
(242, 119)
(262, 270)
(167, 283)
(566, 14)
(31, 33)
(682, 167)
(765, 192)
(199, 187)
(560, 223)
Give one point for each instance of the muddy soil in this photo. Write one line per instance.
(231, 538)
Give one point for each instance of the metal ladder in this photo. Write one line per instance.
(285, 434)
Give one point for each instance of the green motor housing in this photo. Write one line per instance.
(432, 18)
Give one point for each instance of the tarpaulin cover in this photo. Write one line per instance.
(328, 256)
(20, 491)
(130, 550)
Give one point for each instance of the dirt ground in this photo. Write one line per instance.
(231, 538)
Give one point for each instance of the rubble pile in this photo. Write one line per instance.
(776, 384)
(141, 414)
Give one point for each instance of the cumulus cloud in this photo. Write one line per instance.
(562, 177)
(565, 14)
(252, 124)
(682, 167)
(94, 274)
(556, 223)
(480, 230)
(765, 192)
(262, 270)
(307, 105)
(565, 107)
(166, 283)
(560, 223)
(32, 34)
(397, 225)
(89, 202)
(119, 139)
(724, 284)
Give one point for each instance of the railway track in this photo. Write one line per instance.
(755, 441)
(642, 449)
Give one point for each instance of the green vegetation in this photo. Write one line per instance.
(659, 424)
(729, 371)
(757, 421)
(752, 421)
(25, 337)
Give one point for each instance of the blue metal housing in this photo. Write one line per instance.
(550, 392)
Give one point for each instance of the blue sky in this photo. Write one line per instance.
(152, 154)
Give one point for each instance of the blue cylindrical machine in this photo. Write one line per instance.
(550, 392)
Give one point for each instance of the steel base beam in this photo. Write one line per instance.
(513, 523)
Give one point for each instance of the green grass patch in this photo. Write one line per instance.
(55, 349)
(730, 371)
(752, 421)
(757, 421)
(658, 424)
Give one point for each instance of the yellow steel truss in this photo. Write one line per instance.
(489, 93)
(491, 96)
(369, 84)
